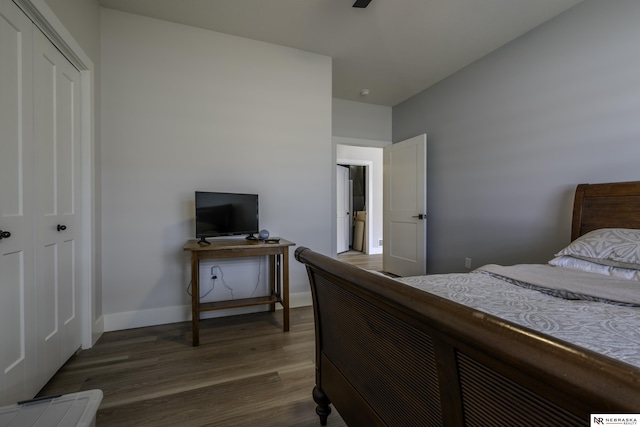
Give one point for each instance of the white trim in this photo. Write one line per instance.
(182, 313)
(300, 299)
(369, 165)
(358, 142)
(334, 201)
(147, 317)
(44, 18)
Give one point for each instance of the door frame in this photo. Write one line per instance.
(349, 194)
(358, 142)
(368, 191)
(44, 18)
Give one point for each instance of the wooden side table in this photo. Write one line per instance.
(234, 248)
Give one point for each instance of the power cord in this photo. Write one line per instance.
(214, 277)
(201, 296)
(211, 282)
(259, 274)
(222, 280)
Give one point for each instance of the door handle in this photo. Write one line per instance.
(419, 216)
(4, 234)
(62, 227)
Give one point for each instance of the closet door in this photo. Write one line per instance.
(57, 161)
(17, 311)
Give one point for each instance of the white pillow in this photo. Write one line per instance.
(591, 267)
(617, 247)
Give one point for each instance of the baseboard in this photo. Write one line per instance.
(182, 313)
(98, 330)
(299, 299)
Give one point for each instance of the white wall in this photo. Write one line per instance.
(187, 109)
(511, 136)
(371, 157)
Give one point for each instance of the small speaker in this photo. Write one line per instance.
(264, 234)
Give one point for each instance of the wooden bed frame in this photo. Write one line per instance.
(389, 354)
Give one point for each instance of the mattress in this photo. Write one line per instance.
(592, 322)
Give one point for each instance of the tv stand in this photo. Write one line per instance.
(251, 237)
(234, 248)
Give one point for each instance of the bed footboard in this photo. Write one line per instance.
(388, 354)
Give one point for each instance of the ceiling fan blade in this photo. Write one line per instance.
(361, 3)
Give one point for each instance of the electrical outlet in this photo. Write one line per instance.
(215, 273)
(467, 263)
(380, 242)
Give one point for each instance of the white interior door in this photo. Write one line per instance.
(405, 207)
(342, 211)
(17, 328)
(57, 139)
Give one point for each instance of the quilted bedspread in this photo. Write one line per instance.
(603, 327)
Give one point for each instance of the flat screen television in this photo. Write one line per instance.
(225, 214)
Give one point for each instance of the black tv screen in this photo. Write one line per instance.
(225, 214)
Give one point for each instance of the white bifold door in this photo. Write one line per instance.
(17, 251)
(57, 190)
(39, 207)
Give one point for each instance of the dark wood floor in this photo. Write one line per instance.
(246, 372)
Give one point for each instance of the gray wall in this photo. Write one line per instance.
(185, 109)
(352, 119)
(82, 19)
(360, 131)
(510, 136)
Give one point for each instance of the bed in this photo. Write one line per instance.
(408, 352)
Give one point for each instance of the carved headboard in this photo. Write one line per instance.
(613, 205)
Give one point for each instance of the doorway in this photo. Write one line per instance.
(366, 161)
(344, 209)
(351, 212)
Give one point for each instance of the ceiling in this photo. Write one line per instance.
(394, 48)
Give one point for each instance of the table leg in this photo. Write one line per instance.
(195, 299)
(272, 279)
(285, 288)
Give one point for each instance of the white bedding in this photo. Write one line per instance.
(570, 283)
(608, 329)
